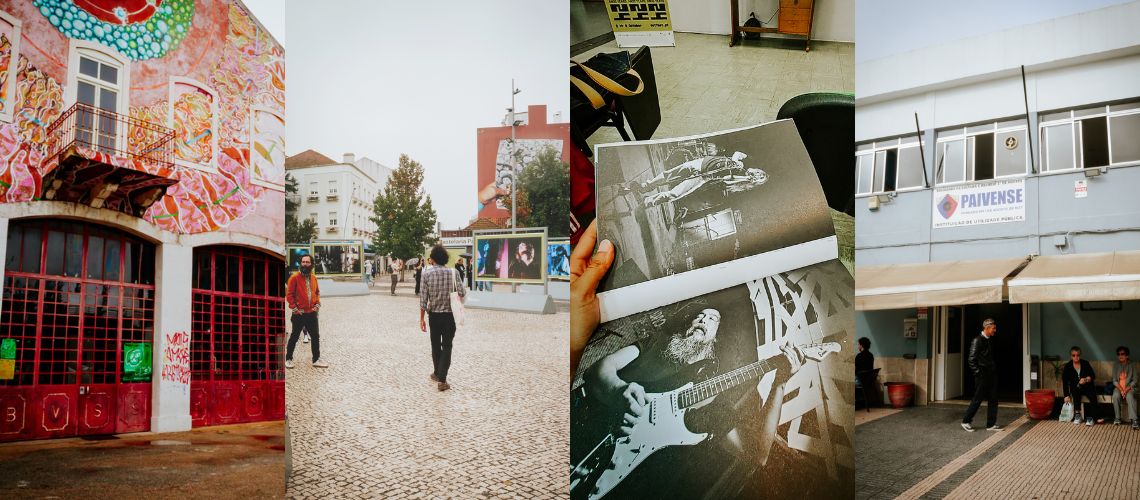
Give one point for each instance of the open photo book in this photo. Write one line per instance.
(723, 365)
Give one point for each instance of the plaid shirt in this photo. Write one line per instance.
(436, 283)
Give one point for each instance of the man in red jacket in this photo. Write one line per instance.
(304, 299)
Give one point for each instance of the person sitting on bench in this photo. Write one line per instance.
(1078, 379)
(1124, 384)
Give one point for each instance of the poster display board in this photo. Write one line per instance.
(511, 257)
(295, 252)
(338, 258)
(641, 22)
(558, 259)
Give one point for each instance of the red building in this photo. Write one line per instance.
(495, 152)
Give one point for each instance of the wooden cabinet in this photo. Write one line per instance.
(795, 18)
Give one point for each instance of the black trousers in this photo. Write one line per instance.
(985, 387)
(305, 321)
(441, 326)
(1088, 391)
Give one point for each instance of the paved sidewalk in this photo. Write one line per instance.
(230, 461)
(373, 426)
(922, 452)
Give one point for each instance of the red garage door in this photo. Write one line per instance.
(76, 323)
(237, 359)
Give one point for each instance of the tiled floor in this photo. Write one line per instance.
(922, 452)
(373, 426)
(706, 86)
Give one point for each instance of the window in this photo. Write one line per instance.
(313, 190)
(313, 216)
(1092, 137)
(332, 189)
(888, 165)
(710, 227)
(9, 62)
(98, 78)
(332, 218)
(193, 115)
(982, 152)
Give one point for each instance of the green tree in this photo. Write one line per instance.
(404, 217)
(544, 194)
(296, 231)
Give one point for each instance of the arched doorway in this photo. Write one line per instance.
(77, 323)
(237, 359)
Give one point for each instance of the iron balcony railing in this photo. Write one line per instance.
(113, 134)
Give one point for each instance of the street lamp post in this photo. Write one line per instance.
(514, 168)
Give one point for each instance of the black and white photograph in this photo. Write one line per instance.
(750, 382)
(337, 259)
(677, 205)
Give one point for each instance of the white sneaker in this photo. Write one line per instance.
(289, 363)
(968, 427)
(305, 339)
(320, 364)
(1089, 422)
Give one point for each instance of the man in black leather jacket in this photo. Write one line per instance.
(981, 362)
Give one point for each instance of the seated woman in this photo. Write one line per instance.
(1124, 384)
(1077, 380)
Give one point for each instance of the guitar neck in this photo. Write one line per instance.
(720, 383)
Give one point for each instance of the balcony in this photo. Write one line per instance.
(106, 160)
(332, 195)
(314, 196)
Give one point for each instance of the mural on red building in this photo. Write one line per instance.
(223, 96)
(500, 161)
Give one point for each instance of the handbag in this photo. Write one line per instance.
(601, 74)
(1066, 412)
(457, 311)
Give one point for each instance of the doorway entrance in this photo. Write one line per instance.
(78, 320)
(1008, 344)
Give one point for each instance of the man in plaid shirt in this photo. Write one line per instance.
(436, 284)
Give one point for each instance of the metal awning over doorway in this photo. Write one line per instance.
(899, 286)
(1078, 277)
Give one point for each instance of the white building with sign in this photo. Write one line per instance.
(338, 195)
(1013, 197)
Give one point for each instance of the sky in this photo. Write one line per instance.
(382, 78)
(888, 27)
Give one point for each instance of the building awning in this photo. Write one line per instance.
(900, 286)
(1078, 277)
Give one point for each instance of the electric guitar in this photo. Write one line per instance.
(663, 425)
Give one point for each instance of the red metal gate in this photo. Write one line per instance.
(75, 296)
(236, 354)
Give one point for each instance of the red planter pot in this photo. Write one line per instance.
(1039, 402)
(900, 393)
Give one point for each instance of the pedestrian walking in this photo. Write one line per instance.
(981, 361)
(304, 299)
(461, 268)
(368, 272)
(435, 311)
(470, 274)
(419, 272)
(394, 270)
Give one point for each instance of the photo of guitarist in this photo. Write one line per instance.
(684, 350)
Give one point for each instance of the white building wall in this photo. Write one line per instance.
(358, 183)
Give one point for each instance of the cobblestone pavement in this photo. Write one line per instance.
(230, 461)
(373, 426)
(921, 452)
(1061, 460)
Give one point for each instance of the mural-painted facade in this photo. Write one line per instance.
(142, 200)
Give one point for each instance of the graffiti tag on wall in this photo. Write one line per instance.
(176, 358)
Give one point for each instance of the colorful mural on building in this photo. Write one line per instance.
(139, 29)
(215, 92)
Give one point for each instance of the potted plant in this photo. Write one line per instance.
(1040, 402)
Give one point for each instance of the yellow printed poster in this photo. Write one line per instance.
(640, 22)
(7, 369)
